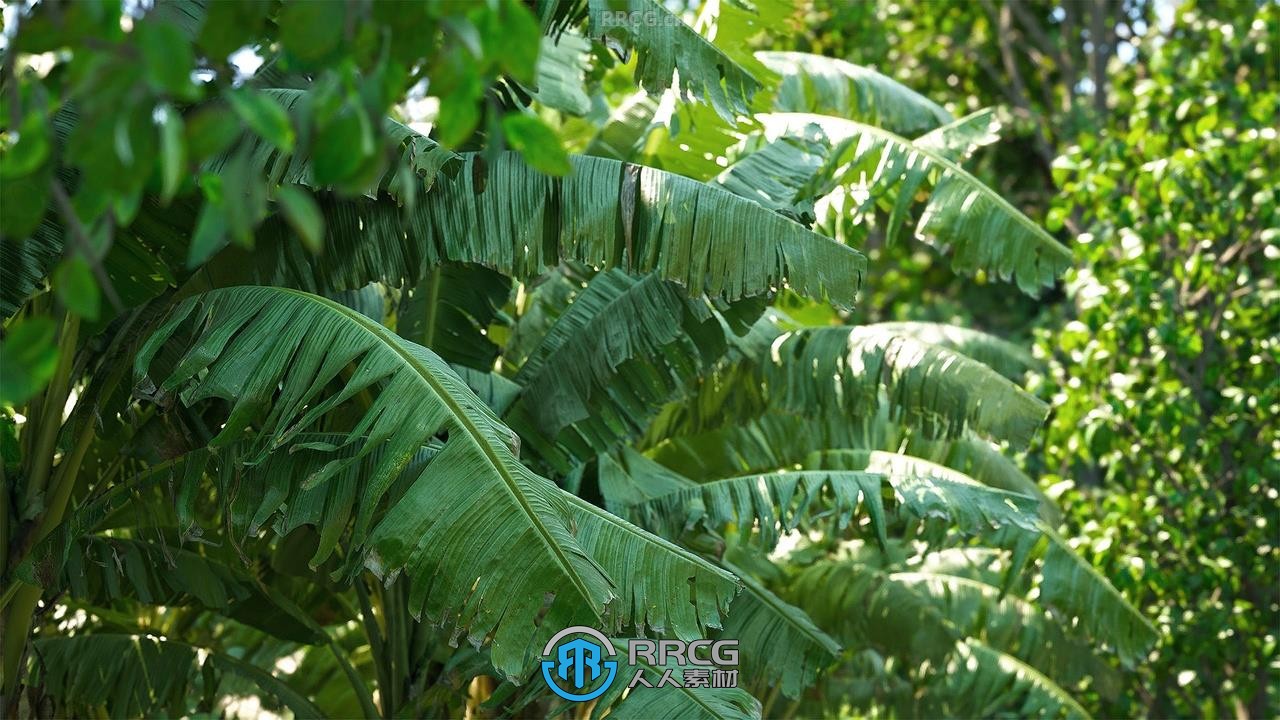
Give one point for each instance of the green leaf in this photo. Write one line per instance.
(828, 86)
(231, 24)
(303, 214)
(210, 234)
(75, 286)
(1075, 587)
(273, 354)
(779, 644)
(666, 44)
(957, 452)
(962, 216)
(29, 153)
(24, 200)
(980, 678)
(784, 501)
(264, 115)
(846, 369)
(957, 140)
(537, 143)
(211, 130)
(450, 310)
(344, 144)
(173, 159)
(511, 34)
(561, 81)
(141, 676)
(167, 57)
(102, 570)
(311, 32)
(672, 702)
(24, 266)
(1009, 359)
(607, 214)
(29, 355)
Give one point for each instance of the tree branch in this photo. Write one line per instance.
(81, 238)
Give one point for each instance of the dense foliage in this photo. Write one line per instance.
(1166, 378)
(353, 350)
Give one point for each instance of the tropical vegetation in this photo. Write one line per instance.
(353, 350)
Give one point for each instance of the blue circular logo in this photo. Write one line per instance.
(579, 663)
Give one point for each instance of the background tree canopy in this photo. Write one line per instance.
(351, 350)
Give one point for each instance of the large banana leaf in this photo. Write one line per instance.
(623, 348)
(863, 164)
(666, 44)
(981, 681)
(1007, 358)
(562, 64)
(283, 360)
(449, 311)
(772, 441)
(918, 615)
(672, 703)
(102, 570)
(828, 86)
(615, 319)
(957, 140)
(784, 501)
(856, 373)
(845, 370)
(508, 217)
(146, 676)
(780, 645)
(880, 461)
(24, 264)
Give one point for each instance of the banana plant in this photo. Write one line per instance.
(359, 430)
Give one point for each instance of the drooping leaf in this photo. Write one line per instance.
(779, 645)
(102, 570)
(25, 265)
(835, 500)
(981, 679)
(1076, 588)
(958, 140)
(508, 217)
(918, 615)
(845, 370)
(140, 676)
(561, 67)
(828, 86)
(671, 702)
(904, 463)
(1006, 358)
(865, 165)
(615, 319)
(666, 44)
(277, 356)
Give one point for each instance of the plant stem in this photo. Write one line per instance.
(16, 622)
(54, 402)
(357, 682)
(381, 662)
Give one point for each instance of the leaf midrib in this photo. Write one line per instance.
(762, 594)
(392, 341)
